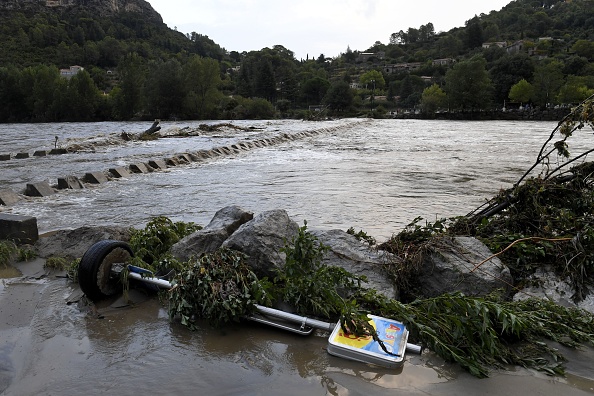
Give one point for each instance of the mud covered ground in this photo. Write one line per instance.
(51, 345)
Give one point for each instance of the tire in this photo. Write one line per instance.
(94, 271)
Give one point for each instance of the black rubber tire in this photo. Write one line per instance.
(94, 271)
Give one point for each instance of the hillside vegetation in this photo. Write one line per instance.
(535, 53)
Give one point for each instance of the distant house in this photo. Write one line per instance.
(515, 47)
(500, 44)
(72, 71)
(443, 62)
(402, 67)
(355, 85)
(364, 56)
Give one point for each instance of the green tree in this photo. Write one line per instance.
(201, 79)
(264, 80)
(372, 79)
(339, 96)
(432, 99)
(547, 80)
(129, 99)
(468, 85)
(44, 90)
(314, 90)
(584, 48)
(474, 33)
(507, 71)
(259, 108)
(574, 91)
(84, 97)
(164, 89)
(521, 92)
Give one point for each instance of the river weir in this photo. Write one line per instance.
(374, 175)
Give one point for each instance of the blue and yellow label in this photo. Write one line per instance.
(389, 332)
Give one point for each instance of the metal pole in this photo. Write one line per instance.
(289, 317)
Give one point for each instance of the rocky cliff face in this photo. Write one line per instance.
(98, 7)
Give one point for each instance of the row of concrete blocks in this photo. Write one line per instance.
(38, 153)
(43, 188)
(23, 229)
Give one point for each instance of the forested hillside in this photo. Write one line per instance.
(130, 65)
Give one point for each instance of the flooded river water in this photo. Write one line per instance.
(373, 175)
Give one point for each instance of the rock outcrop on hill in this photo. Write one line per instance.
(102, 8)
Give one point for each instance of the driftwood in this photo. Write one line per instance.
(153, 129)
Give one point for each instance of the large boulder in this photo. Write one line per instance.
(545, 284)
(211, 237)
(450, 264)
(262, 238)
(347, 252)
(74, 243)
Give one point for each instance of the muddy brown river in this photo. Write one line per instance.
(373, 175)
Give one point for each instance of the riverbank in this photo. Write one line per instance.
(556, 114)
(49, 344)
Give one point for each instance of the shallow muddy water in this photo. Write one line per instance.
(374, 175)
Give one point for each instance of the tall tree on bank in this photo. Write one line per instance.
(468, 85)
(201, 78)
(474, 33)
(548, 80)
(164, 89)
(128, 99)
(339, 96)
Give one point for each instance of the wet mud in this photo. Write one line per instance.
(51, 345)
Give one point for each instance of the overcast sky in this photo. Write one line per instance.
(314, 27)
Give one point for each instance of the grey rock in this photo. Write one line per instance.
(262, 238)
(545, 284)
(211, 237)
(347, 252)
(448, 265)
(74, 243)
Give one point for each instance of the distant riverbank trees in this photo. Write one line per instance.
(271, 83)
(135, 67)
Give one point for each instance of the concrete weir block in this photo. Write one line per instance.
(172, 161)
(8, 197)
(20, 229)
(203, 154)
(21, 155)
(139, 167)
(185, 157)
(95, 178)
(119, 172)
(58, 151)
(70, 183)
(39, 189)
(40, 153)
(158, 164)
(4, 157)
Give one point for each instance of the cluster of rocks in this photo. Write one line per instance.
(451, 264)
(446, 268)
